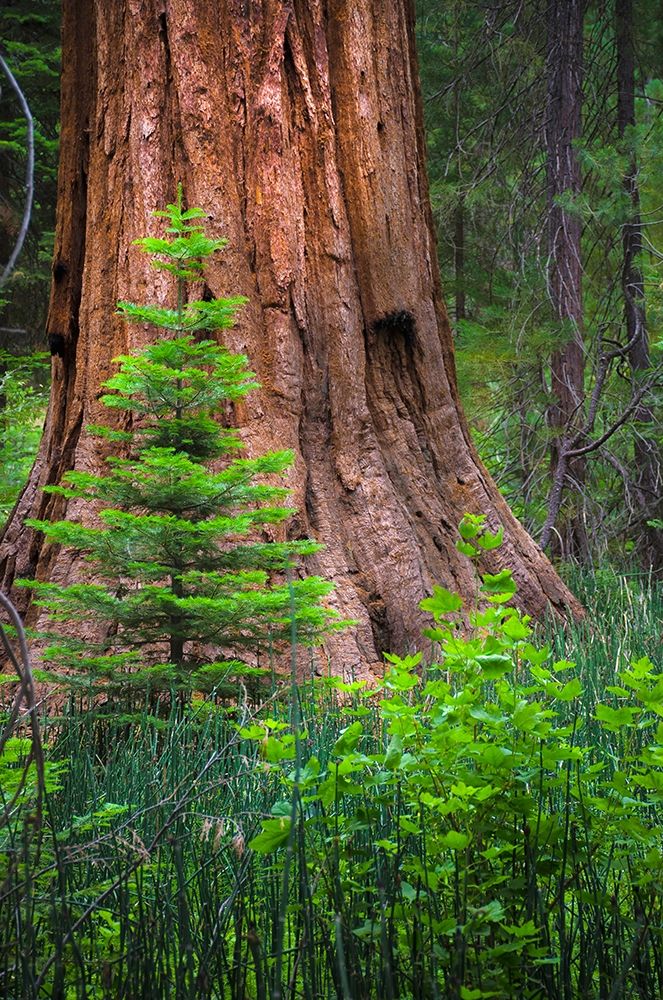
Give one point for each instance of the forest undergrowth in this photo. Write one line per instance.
(489, 826)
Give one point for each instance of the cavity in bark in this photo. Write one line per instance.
(399, 324)
(56, 344)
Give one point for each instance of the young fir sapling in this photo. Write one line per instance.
(176, 554)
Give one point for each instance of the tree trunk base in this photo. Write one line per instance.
(299, 130)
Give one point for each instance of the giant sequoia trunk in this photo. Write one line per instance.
(298, 126)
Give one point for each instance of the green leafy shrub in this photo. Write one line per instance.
(175, 555)
(495, 835)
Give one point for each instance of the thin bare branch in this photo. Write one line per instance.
(29, 173)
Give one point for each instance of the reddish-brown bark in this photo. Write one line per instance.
(298, 126)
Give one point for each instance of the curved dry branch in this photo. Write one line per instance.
(25, 698)
(29, 173)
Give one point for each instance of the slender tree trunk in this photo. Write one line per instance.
(563, 128)
(459, 213)
(648, 470)
(299, 127)
(459, 259)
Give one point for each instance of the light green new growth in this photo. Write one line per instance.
(183, 581)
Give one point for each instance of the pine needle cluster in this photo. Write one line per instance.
(177, 548)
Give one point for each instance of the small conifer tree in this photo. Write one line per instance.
(175, 555)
